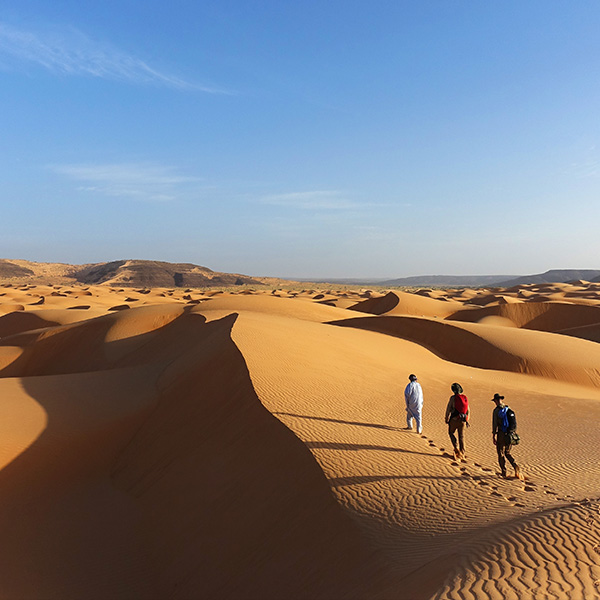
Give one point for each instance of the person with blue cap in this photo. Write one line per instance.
(504, 429)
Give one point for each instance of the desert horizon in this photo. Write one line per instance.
(300, 300)
(169, 442)
(159, 273)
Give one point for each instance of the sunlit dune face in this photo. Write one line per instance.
(266, 427)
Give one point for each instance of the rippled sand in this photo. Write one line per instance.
(162, 443)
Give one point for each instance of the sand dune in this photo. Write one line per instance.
(543, 316)
(403, 303)
(251, 444)
(491, 347)
(587, 332)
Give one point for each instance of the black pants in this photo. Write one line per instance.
(503, 447)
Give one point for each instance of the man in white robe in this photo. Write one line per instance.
(413, 395)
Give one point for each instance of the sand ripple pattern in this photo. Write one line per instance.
(238, 445)
(553, 556)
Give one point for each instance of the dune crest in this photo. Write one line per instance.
(250, 444)
(403, 303)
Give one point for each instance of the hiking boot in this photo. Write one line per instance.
(503, 473)
(518, 473)
(420, 430)
(456, 454)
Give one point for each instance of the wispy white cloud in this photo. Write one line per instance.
(67, 51)
(588, 164)
(315, 200)
(143, 182)
(584, 169)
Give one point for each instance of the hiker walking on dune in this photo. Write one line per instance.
(457, 418)
(504, 430)
(413, 396)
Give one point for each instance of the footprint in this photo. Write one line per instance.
(519, 504)
(596, 548)
(512, 499)
(584, 502)
(482, 483)
(487, 469)
(442, 449)
(528, 488)
(497, 494)
(454, 463)
(477, 465)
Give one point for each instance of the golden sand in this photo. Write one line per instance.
(189, 444)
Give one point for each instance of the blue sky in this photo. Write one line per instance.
(302, 139)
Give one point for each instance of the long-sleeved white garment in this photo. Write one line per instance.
(413, 395)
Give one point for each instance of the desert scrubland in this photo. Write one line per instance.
(189, 443)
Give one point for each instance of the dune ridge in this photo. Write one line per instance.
(491, 347)
(251, 444)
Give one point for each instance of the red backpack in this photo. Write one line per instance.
(461, 405)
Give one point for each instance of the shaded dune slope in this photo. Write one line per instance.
(403, 303)
(6, 308)
(240, 475)
(193, 486)
(587, 332)
(19, 321)
(489, 347)
(543, 316)
(116, 339)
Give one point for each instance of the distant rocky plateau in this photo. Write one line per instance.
(123, 273)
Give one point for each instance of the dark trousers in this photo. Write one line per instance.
(457, 425)
(503, 447)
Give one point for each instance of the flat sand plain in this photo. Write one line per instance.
(170, 443)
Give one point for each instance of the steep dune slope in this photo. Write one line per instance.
(166, 479)
(252, 446)
(490, 347)
(543, 316)
(403, 303)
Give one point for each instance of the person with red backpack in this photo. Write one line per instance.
(457, 418)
